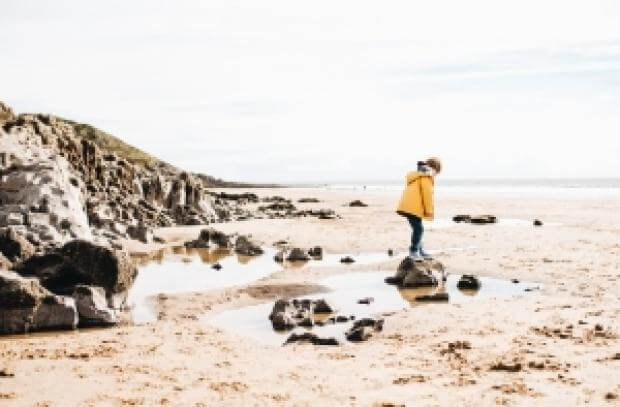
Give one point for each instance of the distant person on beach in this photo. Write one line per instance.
(417, 202)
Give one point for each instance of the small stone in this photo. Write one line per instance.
(390, 252)
(216, 266)
(297, 254)
(538, 222)
(365, 301)
(357, 204)
(468, 282)
(438, 297)
(347, 260)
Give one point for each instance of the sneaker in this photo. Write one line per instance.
(425, 255)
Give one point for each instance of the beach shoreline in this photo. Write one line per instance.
(182, 360)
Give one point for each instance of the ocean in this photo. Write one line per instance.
(552, 188)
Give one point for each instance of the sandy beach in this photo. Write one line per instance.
(557, 346)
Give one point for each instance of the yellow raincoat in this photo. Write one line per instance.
(417, 198)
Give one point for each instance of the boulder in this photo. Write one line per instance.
(469, 282)
(412, 274)
(81, 263)
(246, 247)
(287, 314)
(14, 246)
(26, 306)
(92, 306)
(297, 254)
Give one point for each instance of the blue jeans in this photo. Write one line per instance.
(416, 235)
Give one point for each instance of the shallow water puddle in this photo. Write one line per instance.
(345, 291)
(183, 270)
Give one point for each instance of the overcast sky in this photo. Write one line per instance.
(324, 91)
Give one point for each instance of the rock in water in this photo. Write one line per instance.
(437, 297)
(311, 338)
(244, 246)
(81, 263)
(316, 252)
(412, 274)
(287, 314)
(92, 306)
(469, 282)
(297, 254)
(26, 306)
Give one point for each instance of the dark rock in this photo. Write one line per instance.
(316, 252)
(342, 319)
(279, 256)
(468, 282)
(81, 263)
(140, 232)
(366, 300)
(246, 247)
(281, 321)
(322, 307)
(412, 274)
(514, 281)
(306, 322)
(308, 200)
(483, 219)
(538, 222)
(311, 338)
(506, 367)
(390, 252)
(14, 246)
(347, 260)
(461, 218)
(216, 266)
(357, 204)
(297, 254)
(362, 329)
(437, 297)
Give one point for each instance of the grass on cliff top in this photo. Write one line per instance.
(111, 144)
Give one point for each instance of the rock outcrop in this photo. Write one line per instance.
(244, 246)
(81, 263)
(26, 306)
(92, 306)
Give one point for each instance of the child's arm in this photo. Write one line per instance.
(426, 185)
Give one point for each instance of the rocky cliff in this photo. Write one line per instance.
(62, 180)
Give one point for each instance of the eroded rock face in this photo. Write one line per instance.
(412, 274)
(81, 263)
(14, 246)
(26, 306)
(92, 306)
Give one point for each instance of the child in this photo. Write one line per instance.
(416, 202)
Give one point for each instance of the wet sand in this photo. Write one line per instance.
(560, 346)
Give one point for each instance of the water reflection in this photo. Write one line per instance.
(345, 291)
